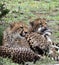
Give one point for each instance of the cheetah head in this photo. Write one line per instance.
(38, 25)
(19, 27)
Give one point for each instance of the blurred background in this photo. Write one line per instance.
(28, 10)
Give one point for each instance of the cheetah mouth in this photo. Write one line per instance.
(44, 30)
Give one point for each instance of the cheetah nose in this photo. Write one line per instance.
(25, 32)
(44, 29)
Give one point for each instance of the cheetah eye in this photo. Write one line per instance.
(25, 32)
(21, 27)
(40, 24)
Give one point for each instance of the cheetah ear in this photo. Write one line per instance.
(44, 19)
(32, 23)
(12, 24)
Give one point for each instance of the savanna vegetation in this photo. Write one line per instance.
(27, 10)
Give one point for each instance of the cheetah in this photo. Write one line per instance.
(38, 43)
(14, 35)
(19, 55)
(54, 52)
(38, 25)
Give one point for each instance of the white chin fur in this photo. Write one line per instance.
(48, 39)
(48, 33)
(58, 50)
(39, 29)
(50, 51)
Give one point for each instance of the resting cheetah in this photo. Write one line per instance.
(14, 35)
(19, 55)
(38, 25)
(38, 43)
(54, 52)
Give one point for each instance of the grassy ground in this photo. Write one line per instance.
(27, 10)
(30, 9)
(7, 61)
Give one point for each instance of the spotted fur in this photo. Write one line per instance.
(19, 55)
(53, 52)
(17, 35)
(14, 35)
(38, 24)
(38, 42)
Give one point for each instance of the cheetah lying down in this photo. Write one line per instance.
(17, 35)
(19, 55)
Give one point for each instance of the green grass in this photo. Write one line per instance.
(27, 7)
(6, 61)
(1, 34)
(27, 10)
